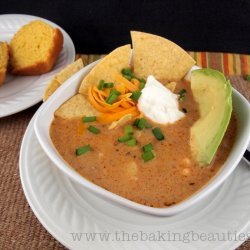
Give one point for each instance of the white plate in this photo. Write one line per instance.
(21, 92)
(63, 207)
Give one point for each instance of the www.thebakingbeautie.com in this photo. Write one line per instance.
(184, 237)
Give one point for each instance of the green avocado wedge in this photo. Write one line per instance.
(213, 94)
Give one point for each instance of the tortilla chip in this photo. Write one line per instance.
(51, 88)
(171, 86)
(121, 121)
(61, 77)
(107, 68)
(76, 106)
(157, 56)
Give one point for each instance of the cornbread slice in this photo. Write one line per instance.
(35, 48)
(4, 58)
(61, 77)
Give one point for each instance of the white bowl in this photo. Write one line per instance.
(46, 115)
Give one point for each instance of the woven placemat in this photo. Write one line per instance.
(19, 228)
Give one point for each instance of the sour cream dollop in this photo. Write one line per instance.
(158, 103)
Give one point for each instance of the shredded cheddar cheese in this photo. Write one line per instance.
(122, 106)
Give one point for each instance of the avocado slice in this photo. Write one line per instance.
(213, 93)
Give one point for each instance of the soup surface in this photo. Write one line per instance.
(169, 178)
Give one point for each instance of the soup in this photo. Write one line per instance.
(169, 178)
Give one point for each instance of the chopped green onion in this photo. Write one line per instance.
(182, 91)
(158, 134)
(184, 110)
(247, 78)
(83, 150)
(136, 122)
(128, 130)
(182, 94)
(148, 147)
(101, 85)
(142, 83)
(182, 98)
(127, 71)
(111, 98)
(131, 142)
(114, 91)
(89, 119)
(141, 124)
(128, 74)
(108, 85)
(128, 77)
(124, 138)
(147, 156)
(141, 80)
(93, 130)
(135, 95)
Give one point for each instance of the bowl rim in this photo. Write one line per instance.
(51, 152)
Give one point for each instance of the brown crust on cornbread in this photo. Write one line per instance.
(5, 56)
(2, 76)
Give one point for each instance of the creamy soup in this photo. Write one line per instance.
(169, 178)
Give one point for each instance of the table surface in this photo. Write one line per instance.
(19, 228)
